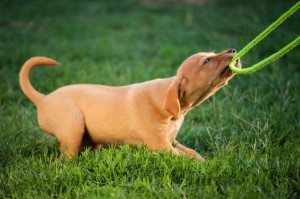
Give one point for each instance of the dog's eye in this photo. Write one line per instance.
(206, 61)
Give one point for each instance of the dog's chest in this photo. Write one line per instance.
(174, 127)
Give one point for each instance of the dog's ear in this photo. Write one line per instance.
(174, 94)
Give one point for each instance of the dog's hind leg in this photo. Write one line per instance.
(96, 147)
(68, 126)
(71, 139)
(88, 142)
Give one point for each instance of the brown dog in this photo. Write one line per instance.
(149, 113)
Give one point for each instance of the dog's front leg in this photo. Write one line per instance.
(192, 154)
(160, 146)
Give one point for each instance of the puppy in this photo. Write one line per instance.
(149, 113)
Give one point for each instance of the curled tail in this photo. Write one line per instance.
(26, 86)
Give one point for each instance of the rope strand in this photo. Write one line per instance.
(258, 38)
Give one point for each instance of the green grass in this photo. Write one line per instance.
(249, 131)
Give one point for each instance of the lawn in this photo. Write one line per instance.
(249, 131)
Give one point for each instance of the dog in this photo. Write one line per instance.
(148, 113)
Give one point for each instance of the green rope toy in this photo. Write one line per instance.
(258, 38)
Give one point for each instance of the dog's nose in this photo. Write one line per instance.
(232, 50)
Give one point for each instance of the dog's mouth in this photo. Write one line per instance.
(226, 72)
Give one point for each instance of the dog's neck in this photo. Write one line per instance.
(188, 103)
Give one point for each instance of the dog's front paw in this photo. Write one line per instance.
(194, 155)
(197, 156)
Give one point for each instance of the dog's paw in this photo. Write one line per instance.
(197, 156)
(194, 155)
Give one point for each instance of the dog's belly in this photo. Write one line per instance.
(101, 139)
(109, 118)
(106, 131)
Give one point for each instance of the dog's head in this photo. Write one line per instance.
(198, 77)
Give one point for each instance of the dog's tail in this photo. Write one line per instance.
(26, 86)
